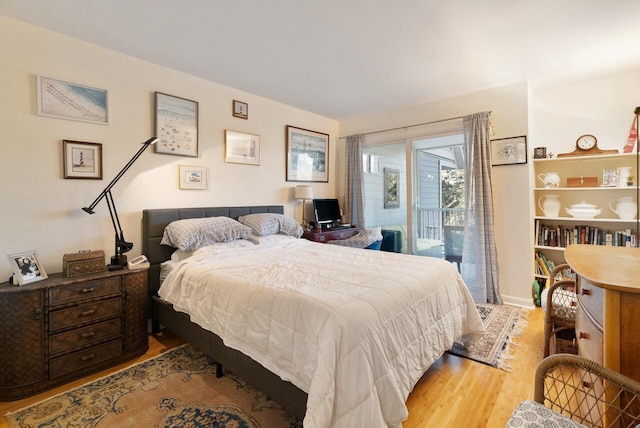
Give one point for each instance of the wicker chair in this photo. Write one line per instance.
(561, 300)
(572, 391)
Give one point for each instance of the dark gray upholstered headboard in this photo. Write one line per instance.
(155, 220)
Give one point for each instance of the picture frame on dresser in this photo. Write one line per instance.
(26, 267)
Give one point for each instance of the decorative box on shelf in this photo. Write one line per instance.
(582, 181)
(83, 263)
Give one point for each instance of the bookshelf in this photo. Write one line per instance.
(552, 234)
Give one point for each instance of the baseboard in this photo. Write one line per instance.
(518, 301)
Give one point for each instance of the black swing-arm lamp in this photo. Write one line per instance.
(122, 246)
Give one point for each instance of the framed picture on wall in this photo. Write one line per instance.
(241, 148)
(192, 177)
(66, 100)
(27, 267)
(307, 155)
(240, 109)
(82, 160)
(176, 125)
(391, 188)
(509, 151)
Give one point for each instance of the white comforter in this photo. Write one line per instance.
(353, 328)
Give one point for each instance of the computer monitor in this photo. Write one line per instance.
(327, 211)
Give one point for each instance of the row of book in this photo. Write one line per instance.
(563, 236)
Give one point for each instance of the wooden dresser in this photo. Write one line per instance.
(60, 329)
(608, 311)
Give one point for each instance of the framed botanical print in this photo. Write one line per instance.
(391, 188)
(307, 155)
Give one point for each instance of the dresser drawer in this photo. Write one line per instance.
(84, 358)
(83, 314)
(589, 336)
(592, 299)
(87, 290)
(84, 336)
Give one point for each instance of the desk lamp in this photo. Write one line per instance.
(122, 246)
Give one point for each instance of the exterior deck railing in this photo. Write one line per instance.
(431, 221)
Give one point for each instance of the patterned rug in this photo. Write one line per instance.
(503, 323)
(176, 389)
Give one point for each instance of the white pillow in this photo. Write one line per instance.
(179, 255)
(269, 239)
(191, 234)
(264, 224)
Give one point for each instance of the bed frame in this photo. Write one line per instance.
(162, 314)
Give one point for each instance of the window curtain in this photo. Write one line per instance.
(354, 177)
(479, 255)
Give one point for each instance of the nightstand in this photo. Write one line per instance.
(60, 329)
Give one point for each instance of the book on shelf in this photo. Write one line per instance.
(562, 236)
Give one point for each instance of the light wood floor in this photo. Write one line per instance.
(455, 392)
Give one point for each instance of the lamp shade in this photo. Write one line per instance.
(304, 192)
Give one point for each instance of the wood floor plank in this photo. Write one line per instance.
(454, 392)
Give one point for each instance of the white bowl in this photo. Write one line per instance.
(583, 212)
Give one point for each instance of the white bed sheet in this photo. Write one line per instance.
(353, 328)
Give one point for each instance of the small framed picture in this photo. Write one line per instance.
(609, 178)
(391, 188)
(509, 151)
(82, 160)
(27, 267)
(241, 148)
(240, 109)
(192, 177)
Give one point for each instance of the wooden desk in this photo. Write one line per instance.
(607, 321)
(326, 235)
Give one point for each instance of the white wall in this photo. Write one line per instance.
(42, 211)
(509, 106)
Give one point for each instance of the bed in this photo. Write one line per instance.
(288, 327)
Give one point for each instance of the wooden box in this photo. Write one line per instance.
(83, 263)
(582, 181)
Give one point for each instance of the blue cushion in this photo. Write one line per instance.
(374, 246)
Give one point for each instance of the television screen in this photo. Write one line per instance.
(326, 211)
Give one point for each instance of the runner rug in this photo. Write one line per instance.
(176, 389)
(502, 323)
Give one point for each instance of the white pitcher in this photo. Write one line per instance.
(550, 206)
(550, 179)
(625, 207)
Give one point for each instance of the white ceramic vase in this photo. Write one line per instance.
(550, 179)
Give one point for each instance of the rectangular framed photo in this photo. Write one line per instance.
(176, 125)
(82, 160)
(27, 267)
(241, 148)
(609, 178)
(509, 151)
(192, 177)
(307, 155)
(66, 100)
(240, 109)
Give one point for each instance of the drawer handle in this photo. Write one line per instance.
(87, 313)
(88, 357)
(87, 290)
(88, 334)
(583, 335)
(586, 292)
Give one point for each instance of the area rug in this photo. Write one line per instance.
(502, 323)
(176, 389)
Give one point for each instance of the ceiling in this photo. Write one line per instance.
(345, 58)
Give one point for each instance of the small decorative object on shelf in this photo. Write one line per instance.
(582, 181)
(540, 153)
